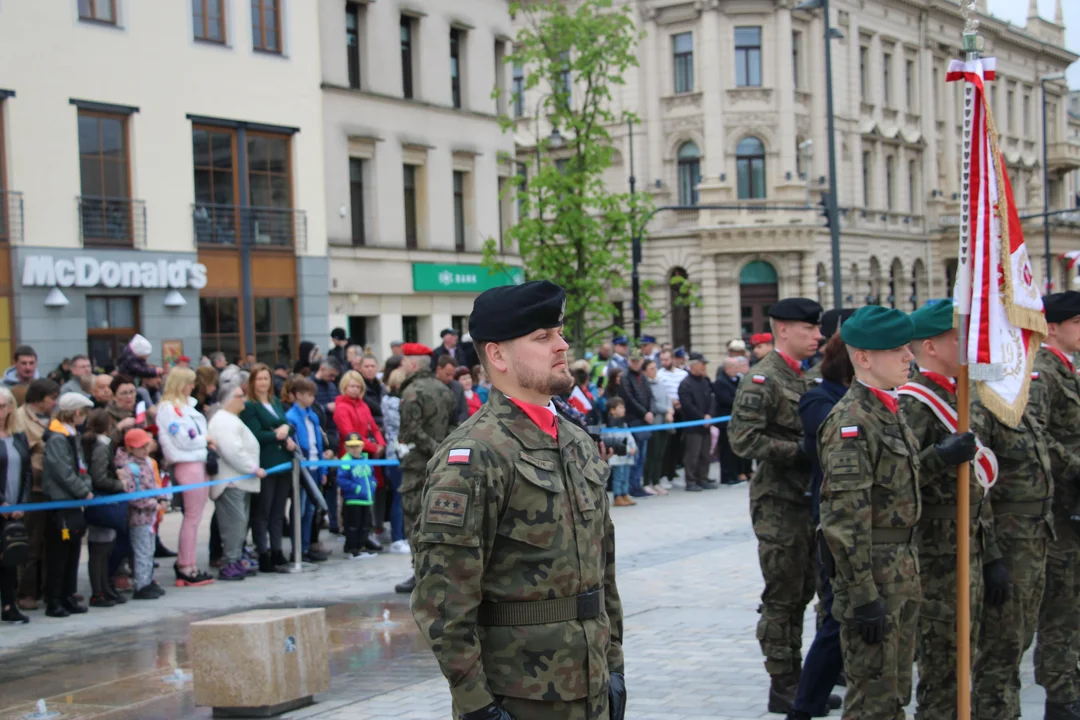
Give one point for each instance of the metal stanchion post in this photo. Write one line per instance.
(298, 564)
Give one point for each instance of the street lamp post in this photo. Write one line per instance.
(1046, 176)
(635, 245)
(832, 207)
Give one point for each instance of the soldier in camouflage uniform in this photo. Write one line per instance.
(936, 348)
(515, 558)
(427, 406)
(1055, 394)
(765, 426)
(869, 507)
(1023, 529)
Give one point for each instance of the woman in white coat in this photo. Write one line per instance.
(238, 455)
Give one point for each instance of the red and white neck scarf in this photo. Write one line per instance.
(1061, 356)
(986, 464)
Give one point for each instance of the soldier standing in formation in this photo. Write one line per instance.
(930, 391)
(765, 426)
(1023, 529)
(427, 406)
(515, 549)
(1055, 394)
(869, 508)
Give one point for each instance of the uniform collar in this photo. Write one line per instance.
(546, 417)
(791, 362)
(520, 424)
(1060, 356)
(888, 398)
(947, 384)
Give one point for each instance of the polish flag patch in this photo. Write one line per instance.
(1034, 376)
(758, 379)
(459, 456)
(849, 432)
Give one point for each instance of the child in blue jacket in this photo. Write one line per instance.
(307, 431)
(357, 491)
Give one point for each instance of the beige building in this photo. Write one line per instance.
(161, 172)
(415, 162)
(732, 101)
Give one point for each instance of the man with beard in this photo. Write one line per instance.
(515, 549)
(765, 426)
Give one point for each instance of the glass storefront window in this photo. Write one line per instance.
(110, 324)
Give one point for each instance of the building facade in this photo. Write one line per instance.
(732, 102)
(161, 173)
(416, 164)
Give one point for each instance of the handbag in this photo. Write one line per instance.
(14, 544)
(70, 521)
(211, 463)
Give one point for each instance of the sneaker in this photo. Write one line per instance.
(383, 537)
(649, 490)
(372, 544)
(313, 555)
(400, 547)
(122, 583)
(146, 593)
(251, 567)
(232, 572)
(361, 555)
(115, 596)
(56, 609)
(665, 484)
(659, 490)
(73, 605)
(102, 600)
(158, 590)
(14, 616)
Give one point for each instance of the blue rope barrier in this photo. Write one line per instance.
(173, 489)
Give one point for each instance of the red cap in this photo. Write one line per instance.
(183, 358)
(415, 349)
(760, 338)
(136, 438)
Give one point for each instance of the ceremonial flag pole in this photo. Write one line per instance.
(1000, 315)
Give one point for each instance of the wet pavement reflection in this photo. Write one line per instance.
(144, 673)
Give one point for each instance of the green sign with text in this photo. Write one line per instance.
(430, 277)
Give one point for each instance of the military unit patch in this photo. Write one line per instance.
(850, 432)
(459, 456)
(758, 379)
(446, 507)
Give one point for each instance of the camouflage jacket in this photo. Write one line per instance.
(765, 426)
(1023, 471)
(937, 482)
(426, 408)
(870, 461)
(511, 515)
(1055, 399)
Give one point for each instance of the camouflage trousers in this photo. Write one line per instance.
(936, 693)
(411, 502)
(1057, 647)
(595, 708)
(787, 554)
(1007, 630)
(879, 676)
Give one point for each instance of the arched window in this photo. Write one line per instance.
(822, 284)
(750, 161)
(873, 295)
(896, 274)
(680, 309)
(757, 293)
(854, 289)
(919, 290)
(689, 173)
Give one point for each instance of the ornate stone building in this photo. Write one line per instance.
(732, 100)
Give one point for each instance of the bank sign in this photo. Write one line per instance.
(87, 272)
(431, 277)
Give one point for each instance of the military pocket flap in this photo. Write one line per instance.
(442, 538)
(543, 479)
(792, 395)
(597, 473)
(894, 445)
(537, 462)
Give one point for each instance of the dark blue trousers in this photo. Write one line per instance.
(823, 663)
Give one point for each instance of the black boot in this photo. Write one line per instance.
(797, 715)
(406, 588)
(1062, 711)
(266, 564)
(782, 692)
(98, 567)
(277, 559)
(56, 609)
(160, 551)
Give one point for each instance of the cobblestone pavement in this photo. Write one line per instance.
(687, 573)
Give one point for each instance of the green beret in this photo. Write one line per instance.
(933, 319)
(874, 327)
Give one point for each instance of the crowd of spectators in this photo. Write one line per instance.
(85, 432)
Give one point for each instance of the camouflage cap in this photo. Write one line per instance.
(933, 319)
(874, 327)
(635, 354)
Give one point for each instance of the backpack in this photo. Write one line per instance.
(14, 544)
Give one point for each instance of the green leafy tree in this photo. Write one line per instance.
(573, 229)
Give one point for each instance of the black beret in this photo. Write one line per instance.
(1062, 306)
(796, 309)
(511, 311)
(832, 320)
(448, 331)
(338, 333)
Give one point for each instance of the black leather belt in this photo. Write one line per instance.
(542, 612)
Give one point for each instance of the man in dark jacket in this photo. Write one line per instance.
(698, 402)
(636, 393)
(445, 374)
(732, 468)
(373, 389)
(338, 345)
(449, 348)
(326, 388)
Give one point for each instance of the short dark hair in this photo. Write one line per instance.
(615, 402)
(23, 350)
(80, 357)
(302, 385)
(119, 380)
(331, 362)
(645, 365)
(581, 376)
(40, 389)
(836, 363)
(445, 360)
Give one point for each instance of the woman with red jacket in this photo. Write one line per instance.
(352, 415)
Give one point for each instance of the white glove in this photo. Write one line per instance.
(402, 450)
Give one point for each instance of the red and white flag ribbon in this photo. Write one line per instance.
(580, 401)
(995, 285)
(140, 412)
(986, 463)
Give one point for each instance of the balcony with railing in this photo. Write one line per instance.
(11, 217)
(1063, 156)
(112, 221)
(882, 221)
(261, 227)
